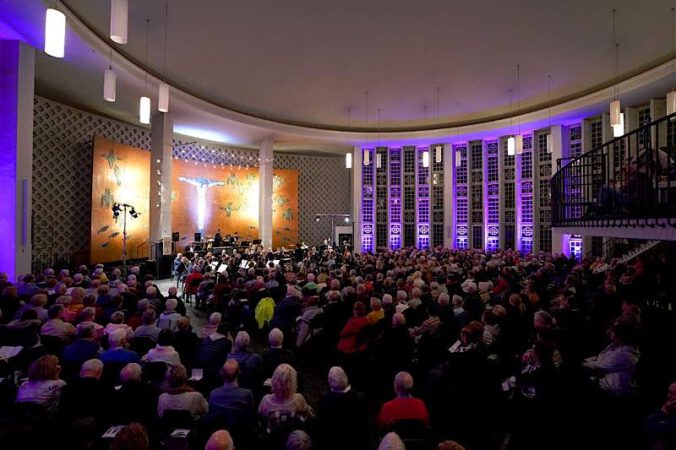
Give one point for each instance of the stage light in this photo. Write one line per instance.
(119, 19)
(116, 210)
(317, 219)
(347, 220)
(55, 33)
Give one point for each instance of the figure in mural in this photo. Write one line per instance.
(202, 184)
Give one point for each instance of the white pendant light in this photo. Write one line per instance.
(458, 157)
(437, 155)
(367, 157)
(519, 144)
(55, 33)
(144, 110)
(511, 146)
(618, 130)
(550, 143)
(348, 160)
(119, 19)
(109, 85)
(615, 113)
(671, 103)
(426, 159)
(163, 98)
(379, 161)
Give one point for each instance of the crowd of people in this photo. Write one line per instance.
(414, 349)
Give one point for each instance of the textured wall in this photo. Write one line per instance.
(62, 171)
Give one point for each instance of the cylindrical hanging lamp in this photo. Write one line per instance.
(163, 98)
(119, 20)
(348, 160)
(109, 85)
(55, 33)
(144, 110)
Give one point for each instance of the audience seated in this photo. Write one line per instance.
(43, 386)
(250, 363)
(276, 354)
(180, 396)
(164, 350)
(404, 406)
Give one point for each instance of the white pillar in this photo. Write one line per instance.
(356, 198)
(17, 88)
(161, 162)
(559, 150)
(265, 193)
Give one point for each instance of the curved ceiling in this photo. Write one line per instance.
(306, 62)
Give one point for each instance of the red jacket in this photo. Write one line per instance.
(349, 337)
(402, 408)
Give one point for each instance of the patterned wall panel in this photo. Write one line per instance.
(62, 171)
(62, 174)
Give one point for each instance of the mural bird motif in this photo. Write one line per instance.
(112, 158)
(107, 199)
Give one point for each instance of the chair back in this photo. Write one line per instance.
(141, 344)
(154, 372)
(413, 432)
(53, 344)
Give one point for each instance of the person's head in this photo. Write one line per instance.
(44, 368)
(670, 404)
(284, 382)
(117, 338)
(151, 291)
(220, 440)
(117, 317)
(359, 309)
(542, 321)
(170, 305)
(165, 338)
(242, 341)
(176, 376)
(387, 299)
(622, 331)
(230, 371)
(298, 440)
(376, 305)
(173, 291)
(449, 445)
(131, 372)
(338, 381)
(149, 316)
(38, 300)
(85, 330)
(391, 441)
(398, 319)
(183, 323)
(458, 301)
(92, 368)
(443, 299)
(276, 338)
(55, 311)
(403, 384)
(215, 319)
(131, 437)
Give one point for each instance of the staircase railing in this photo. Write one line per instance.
(629, 181)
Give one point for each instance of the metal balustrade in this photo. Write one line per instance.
(629, 181)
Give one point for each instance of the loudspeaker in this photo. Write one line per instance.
(198, 237)
(175, 236)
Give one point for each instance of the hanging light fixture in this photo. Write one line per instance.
(618, 130)
(437, 154)
(119, 19)
(348, 160)
(367, 157)
(671, 96)
(458, 156)
(615, 103)
(511, 146)
(55, 33)
(144, 102)
(519, 138)
(379, 161)
(110, 81)
(163, 93)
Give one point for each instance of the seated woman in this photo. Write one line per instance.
(181, 396)
(44, 385)
(284, 406)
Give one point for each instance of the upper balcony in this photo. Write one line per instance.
(624, 188)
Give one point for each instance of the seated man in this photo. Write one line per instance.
(276, 354)
(213, 351)
(250, 363)
(117, 352)
(169, 316)
(85, 346)
(56, 326)
(220, 440)
(148, 328)
(88, 396)
(135, 400)
(404, 406)
(233, 406)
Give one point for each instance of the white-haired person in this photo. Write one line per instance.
(117, 352)
(341, 415)
(212, 324)
(404, 406)
(284, 406)
(250, 363)
(391, 441)
(169, 316)
(134, 400)
(276, 354)
(298, 440)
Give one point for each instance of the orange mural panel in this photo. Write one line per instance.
(120, 174)
(208, 198)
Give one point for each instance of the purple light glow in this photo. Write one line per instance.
(9, 86)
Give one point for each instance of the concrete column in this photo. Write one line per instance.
(265, 193)
(559, 150)
(356, 198)
(17, 87)
(449, 195)
(161, 162)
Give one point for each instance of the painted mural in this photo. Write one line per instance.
(120, 174)
(208, 198)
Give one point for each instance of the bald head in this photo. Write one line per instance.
(403, 383)
(220, 440)
(92, 368)
(230, 371)
(131, 372)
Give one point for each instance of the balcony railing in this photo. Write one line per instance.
(627, 182)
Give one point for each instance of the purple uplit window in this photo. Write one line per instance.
(395, 199)
(423, 201)
(368, 202)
